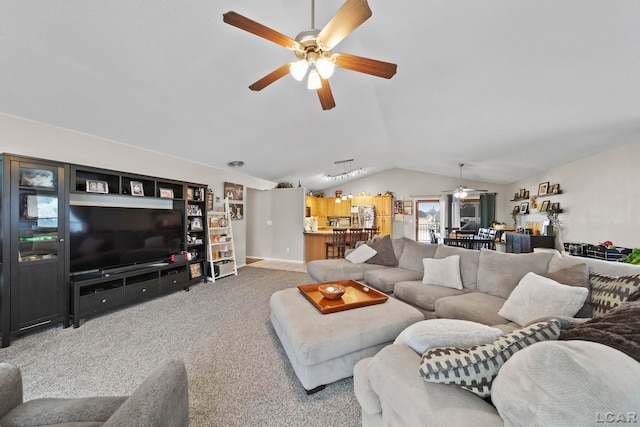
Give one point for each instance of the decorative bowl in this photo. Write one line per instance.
(332, 291)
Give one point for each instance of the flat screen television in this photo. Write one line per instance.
(103, 238)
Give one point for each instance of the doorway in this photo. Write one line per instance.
(428, 220)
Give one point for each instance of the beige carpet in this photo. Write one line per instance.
(238, 372)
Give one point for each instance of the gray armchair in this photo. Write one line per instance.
(162, 400)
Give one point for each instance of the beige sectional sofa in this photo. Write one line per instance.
(548, 383)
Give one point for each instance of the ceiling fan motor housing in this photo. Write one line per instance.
(308, 42)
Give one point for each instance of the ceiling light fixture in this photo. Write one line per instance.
(345, 174)
(235, 163)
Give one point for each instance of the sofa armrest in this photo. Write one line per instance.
(161, 400)
(10, 388)
(407, 399)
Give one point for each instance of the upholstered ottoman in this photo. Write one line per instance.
(324, 348)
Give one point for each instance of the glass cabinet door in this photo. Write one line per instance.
(38, 225)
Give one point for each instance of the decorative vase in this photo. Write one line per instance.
(550, 231)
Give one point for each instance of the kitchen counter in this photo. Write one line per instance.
(315, 244)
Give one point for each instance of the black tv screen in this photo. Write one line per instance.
(106, 237)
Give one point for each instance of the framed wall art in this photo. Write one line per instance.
(233, 191)
(237, 211)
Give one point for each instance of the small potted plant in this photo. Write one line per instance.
(554, 220)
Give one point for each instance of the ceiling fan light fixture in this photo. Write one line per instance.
(314, 81)
(460, 194)
(325, 67)
(298, 69)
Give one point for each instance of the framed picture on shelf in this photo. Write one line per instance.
(194, 210)
(516, 209)
(36, 178)
(196, 270)
(190, 193)
(136, 188)
(555, 206)
(524, 207)
(94, 186)
(555, 189)
(233, 191)
(166, 193)
(543, 188)
(196, 224)
(544, 206)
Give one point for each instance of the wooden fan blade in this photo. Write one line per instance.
(270, 78)
(366, 65)
(349, 17)
(258, 29)
(326, 96)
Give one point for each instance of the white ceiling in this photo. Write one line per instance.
(508, 87)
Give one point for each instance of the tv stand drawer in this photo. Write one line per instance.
(101, 301)
(141, 291)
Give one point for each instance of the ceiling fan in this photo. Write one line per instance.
(313, 50)
(461, 191)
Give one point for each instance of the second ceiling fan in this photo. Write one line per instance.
(313, 50)
(461, 192)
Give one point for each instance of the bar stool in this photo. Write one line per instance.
(369, 232)
(355, 235)
(338, 244)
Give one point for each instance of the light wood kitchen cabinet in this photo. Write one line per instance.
(385, 224)
(382, 205)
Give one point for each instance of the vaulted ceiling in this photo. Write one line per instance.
(508, 87)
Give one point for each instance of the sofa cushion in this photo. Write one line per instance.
(385, 279)
(468, 263)
(361, 254)
(474, 306)
(431, 333)
(367, 398)
(475, 368)
(608, 292)
(421, 295)
(536, 297)
(329, 270)
(385, 254)
(574, 275)
(413, 253)
(499, 272)
(442, 272)
(559, 383)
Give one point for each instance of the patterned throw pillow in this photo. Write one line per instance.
(475, 368)
(608, 292)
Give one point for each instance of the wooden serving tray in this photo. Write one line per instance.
(356, 295)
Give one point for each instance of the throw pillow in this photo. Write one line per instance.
(608, 292)
(475, 368)
(442, 272)
(563, 383)
(361, 254)
(619, 328)
(427, 334)
(575, 275)
(536, 297)
(385, 254)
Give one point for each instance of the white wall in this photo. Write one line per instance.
(276, 224)
(600, 198)
(29, 138)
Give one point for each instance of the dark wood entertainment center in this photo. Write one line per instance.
(37, 286)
